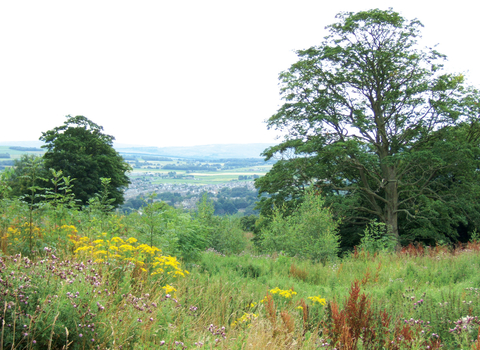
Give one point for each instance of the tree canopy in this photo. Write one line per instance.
(81, 150)
(373, 120)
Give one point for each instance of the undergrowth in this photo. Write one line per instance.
(89, 281)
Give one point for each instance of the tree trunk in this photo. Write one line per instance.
(391, 208)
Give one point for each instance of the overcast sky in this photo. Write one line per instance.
(180, 73)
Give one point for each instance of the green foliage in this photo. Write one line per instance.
(83, 152)
(430, 289)
(370, 118)
(309, 232)
(5, 187)
(247, 223)
(376, 238)
(227, 236)
(102, 202)
(223, 233)
(43, 309)
(25, 169)
(176, 232)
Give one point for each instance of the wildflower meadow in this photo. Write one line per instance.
(96, 279)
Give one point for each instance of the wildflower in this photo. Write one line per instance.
(169, 289)
(317, 299)
(284, 293)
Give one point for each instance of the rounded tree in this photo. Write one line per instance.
(82, 151)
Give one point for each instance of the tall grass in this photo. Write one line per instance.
(73, 290)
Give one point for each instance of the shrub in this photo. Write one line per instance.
(376, 238)
(227, 236)
(309, 232)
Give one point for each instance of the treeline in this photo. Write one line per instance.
(4, 155)
(147, 158)
(6, 163)
(243, 163)
(26, 149)
(193, 167)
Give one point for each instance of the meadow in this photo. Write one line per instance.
(93, 279)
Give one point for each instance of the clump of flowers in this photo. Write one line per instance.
(146, 258)
(80, 293)
(318, 299)
(217, 332)
(244, 320)
(465, 324)
(287, 293)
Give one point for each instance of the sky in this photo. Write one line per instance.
(181, 73)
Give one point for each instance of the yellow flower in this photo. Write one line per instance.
(84, 248)
(168, 288)
(284, 293)
(127, 248)
(131, 240)
(147, 249)
(100, 252)
(317, 299)
(244, 319)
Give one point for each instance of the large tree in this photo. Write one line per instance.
(362, 118)
(81, 150)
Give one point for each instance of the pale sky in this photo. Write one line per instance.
(180, 73)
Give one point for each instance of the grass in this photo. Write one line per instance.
(72, 298)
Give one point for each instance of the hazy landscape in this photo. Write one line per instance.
(358, 230)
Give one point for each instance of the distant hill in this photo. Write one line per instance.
(220, 151)
(36, 144)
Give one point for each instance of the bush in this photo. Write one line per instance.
(309, 232)
(376, 238)
(228, 237)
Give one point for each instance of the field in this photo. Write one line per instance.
(16, 153)
(156, 175)
(90, 279)
(153, 172)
